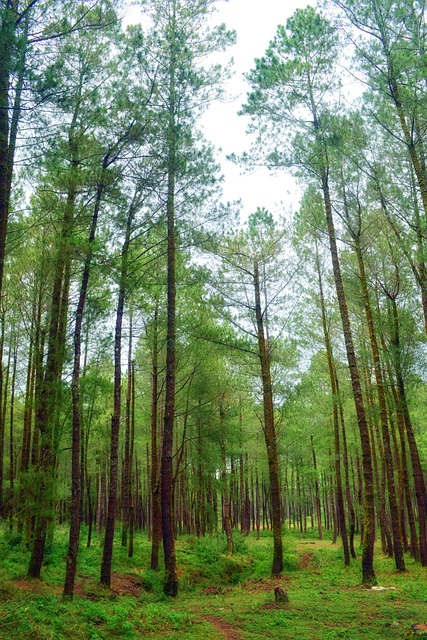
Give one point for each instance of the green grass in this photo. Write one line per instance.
(326, 599)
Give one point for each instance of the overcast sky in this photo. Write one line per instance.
(255, 22)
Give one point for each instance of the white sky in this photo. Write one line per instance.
(255, 22)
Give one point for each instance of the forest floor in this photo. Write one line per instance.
(221, 597)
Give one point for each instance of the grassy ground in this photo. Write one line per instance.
(220, 597)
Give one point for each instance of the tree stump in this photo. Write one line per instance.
(280, 595)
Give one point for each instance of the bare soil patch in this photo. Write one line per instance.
(227, 630)
(35, 586)
(125, 585)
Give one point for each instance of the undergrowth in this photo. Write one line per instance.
(326, 599)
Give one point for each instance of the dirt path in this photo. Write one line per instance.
(227, 630)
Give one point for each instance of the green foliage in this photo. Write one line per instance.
(326, 601)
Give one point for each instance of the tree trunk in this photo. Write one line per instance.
(226, 511)
(115, 418)
(49, 388)
(388, 460)
(76, 466)
(368, 573)
(127, 467)
(420, 488)
(170, 586)
(335, 402)
(317, 494)
(156, 511)
(269, 429)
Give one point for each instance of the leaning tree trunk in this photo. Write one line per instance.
(388, 460)
(368, 573)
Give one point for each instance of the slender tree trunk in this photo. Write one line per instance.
(131, 452)
(76, 466)
(317, 494)
(269, 429)
(414, 545)
(420, 487)
(115, 418)
(156, 512)
(226, 511)
(14, 350)
(7, 41)
(368, 573)
(170, 586)
(49, 388)
(350, 503)
(127, 467)
(388, 460)
(335, 401)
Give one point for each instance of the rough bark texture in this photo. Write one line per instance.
(49, 388)
(420, 487)
(335, 400)
(6, 39)
(388, 460)
(156, 512)
(76, 485)
(115, 418)
(269, 429)
(170, 586)
(368, 574)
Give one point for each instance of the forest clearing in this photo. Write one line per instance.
(221, 596)
(213, 420)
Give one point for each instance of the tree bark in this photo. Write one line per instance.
(388, 460)
(335, 402)
(156, 512)
(368, 573)
(115, 418)
(269, 429)
(76, 466)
